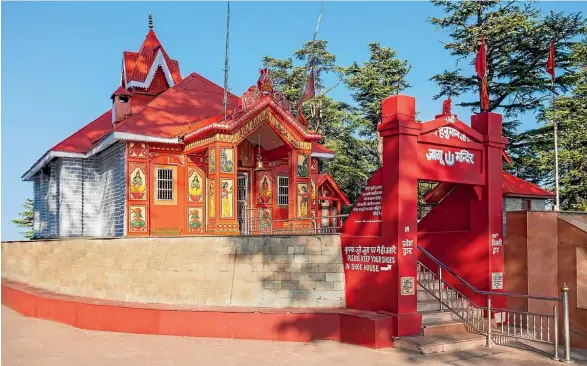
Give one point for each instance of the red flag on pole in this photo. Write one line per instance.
(481, 68)
(309, 91)
(481, 63)
(550, 61)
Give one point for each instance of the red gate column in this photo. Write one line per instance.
(490, 203)
(400, 131)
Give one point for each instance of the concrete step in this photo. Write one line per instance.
(432, 316)
(428, 305)
(443, 327)
(428, 344)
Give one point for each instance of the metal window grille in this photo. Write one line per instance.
(282, 190)
(241, 184)
(165, 184)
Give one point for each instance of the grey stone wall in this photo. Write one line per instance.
(82, 197)
(271, 271)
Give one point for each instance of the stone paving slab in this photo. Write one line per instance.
(29, 341)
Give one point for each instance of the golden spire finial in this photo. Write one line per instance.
(150, 21)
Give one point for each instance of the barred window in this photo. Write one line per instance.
(165, 184)
(282, 190)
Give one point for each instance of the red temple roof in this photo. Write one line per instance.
(514, 186)
(179, 108)
(511, 186)
(321, 151)
(83, 139)
(327, 178)
(138, 64)
(121, 91)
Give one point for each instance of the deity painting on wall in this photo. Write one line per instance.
(211, 161)
(195, 186)
(265, 193)
(226, 210)
(195, 219)
(227, 160)
(313, 191)
(302, 165)
(302, 200)
(137, 219)
(211, 211)
(138, 182)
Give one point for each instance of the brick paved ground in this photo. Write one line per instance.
(28, 341)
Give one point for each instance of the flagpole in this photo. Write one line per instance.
(556, 177)
(226, 61)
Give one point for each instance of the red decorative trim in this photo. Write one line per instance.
(362, 328)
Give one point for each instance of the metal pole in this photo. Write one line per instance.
(555, 314)
(556, 177)
(566, 331)
(488, 343)
(440, 286)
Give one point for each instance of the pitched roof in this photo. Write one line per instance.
(83, 139)
(121, 91)
(138, 64)
(319, 150)
(514, 186)
(176, 110)
(511, 186)
(325, 177)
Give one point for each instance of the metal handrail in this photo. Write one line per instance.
(482, 292)
(529, 334)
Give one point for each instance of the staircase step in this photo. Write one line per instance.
(428, 344)
(443, 327)
(428, 305)
(435, 316)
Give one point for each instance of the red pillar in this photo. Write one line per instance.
(489, 212)
(400, 131)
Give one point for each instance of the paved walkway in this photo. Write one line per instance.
(28, 341)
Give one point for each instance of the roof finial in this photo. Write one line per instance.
(150, 21)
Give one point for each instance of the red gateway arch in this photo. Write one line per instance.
(382, 234)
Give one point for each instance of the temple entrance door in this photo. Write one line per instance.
(242, 194)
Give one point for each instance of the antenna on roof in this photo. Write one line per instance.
(150, 21)
(226, 61)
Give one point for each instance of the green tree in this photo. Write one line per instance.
(383, 75)
(25, 219)
(517, 37)
(342, 128)
(536, 146)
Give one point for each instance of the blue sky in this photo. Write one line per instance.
(61, 61)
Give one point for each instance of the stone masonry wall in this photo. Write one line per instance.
(296, 271)
(100, 180)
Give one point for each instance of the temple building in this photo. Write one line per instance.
(167, 160)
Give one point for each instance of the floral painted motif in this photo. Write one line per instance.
(195, 219)
(138, 183)
(302, 200)
(211, 161)
(226, 193)
(195, 186)
(227, 160)
(266, 219)
(137, 150)
(137, 219)
(313, 191)
(302, 165)
(265, 193)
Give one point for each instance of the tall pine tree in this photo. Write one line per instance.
(343, 130)
(25, 219)
(536, 146)
(517, 37)
(383, 75)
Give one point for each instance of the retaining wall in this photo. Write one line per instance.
(294, 271)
